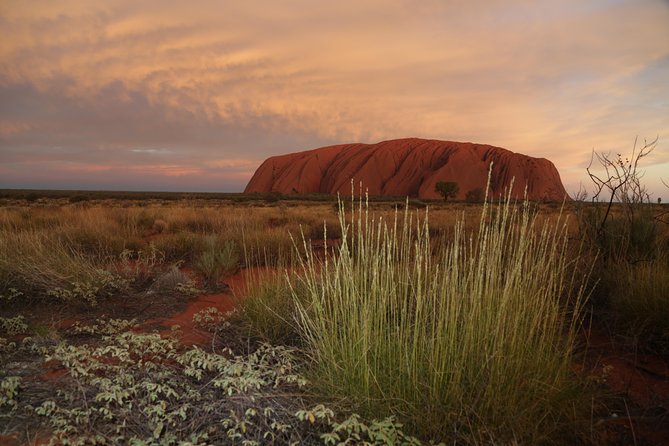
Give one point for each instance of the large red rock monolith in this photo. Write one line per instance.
(408, 167)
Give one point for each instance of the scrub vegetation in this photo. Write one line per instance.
(629, 235)
(368, 322)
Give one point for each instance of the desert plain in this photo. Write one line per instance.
(300, 319)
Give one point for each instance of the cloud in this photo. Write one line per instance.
(199, 82)
(152, 151)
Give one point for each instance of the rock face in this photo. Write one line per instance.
(408, 167)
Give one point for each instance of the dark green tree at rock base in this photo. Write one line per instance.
(447, 189)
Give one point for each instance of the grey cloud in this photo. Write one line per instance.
(119, 127)
(120, 117)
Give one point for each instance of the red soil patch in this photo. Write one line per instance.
(189, 333)
(10, 440)
(54, 370)
(644, 378)
(640, 383)
(64, 324)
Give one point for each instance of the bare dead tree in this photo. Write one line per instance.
(621, 179)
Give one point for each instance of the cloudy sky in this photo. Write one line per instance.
(193, 96)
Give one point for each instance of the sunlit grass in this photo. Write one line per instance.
(473, 343)
(39, 264)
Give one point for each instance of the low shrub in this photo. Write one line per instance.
(631, 247)
(475, 195)
(78, 198)
(170, 281)
(631, 238)
(219, 258)
(12, 326)
(321, 230)
(181, 246)
(143, 219)
(269, 246)
(92, 242)
(122, 387)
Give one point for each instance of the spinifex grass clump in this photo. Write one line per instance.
(474, 343)
(269, 306)
(217, 259)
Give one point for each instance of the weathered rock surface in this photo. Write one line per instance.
(408, 167)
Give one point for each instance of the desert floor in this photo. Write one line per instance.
(178, 304)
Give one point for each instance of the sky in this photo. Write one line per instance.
(193, 96)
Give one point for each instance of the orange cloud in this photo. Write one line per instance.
(170, 170)
(233, 163)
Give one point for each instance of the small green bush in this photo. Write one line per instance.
(13, 325)
(270, 246)
(9, 390)
(218, 258)
(475, 195)
(93, 243)
(629, 238)
(172, 280)
(181, 246)
(321, 230)
(143, 220)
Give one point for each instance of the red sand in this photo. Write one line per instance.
(190, 334)
(642, 379)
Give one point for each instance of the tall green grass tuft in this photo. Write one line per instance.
(219, 257)
(269, 307)
(472, 344)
